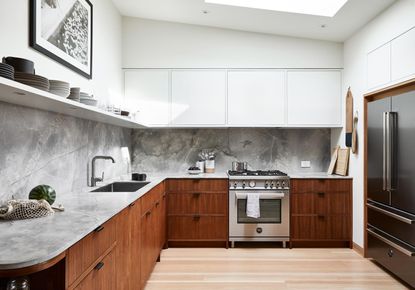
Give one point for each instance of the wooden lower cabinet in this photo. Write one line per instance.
(197, 211)
(321, 212)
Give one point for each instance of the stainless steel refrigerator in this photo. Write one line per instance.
(391, 184)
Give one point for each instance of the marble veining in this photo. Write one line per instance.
(38, 147)
(174, 150)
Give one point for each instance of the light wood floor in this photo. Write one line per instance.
(264, 269)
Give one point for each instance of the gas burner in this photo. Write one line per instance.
(257, 173)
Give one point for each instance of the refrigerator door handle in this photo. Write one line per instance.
(392, 137)
(385, 150)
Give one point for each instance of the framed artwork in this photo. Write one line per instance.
(62, 30)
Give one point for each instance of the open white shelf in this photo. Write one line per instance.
(20, 94)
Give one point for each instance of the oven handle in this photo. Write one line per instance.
(278, 195)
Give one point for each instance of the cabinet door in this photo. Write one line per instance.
(147, 91)
(314, 98)
(147, 245)
(102, 276)
(198, 97)
(403, 57)
(129, 247)
(256, 97)
(379, 66)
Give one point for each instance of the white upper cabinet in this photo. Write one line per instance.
(147, 91)
(403, 55)
(198, 97)
(256, 97)
(314, 98)
(379, 66)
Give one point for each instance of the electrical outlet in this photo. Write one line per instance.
(305, 164)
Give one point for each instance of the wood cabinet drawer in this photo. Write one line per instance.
(149, 199)
(320, 185)
(214, 203)
(191, 228)
(321, 203)
(181, 185)
(323, 227)
(102, 276)
(86, 252)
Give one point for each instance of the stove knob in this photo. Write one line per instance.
(272, 184)
(266, 184)
(278, 184)
(235, 184)
(252, 184)
(283, 184)
(243, 184)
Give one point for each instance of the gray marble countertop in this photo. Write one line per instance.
(322, 175)
(29, 242)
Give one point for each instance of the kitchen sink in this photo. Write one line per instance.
(121, 187)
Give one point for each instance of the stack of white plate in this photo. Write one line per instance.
(59, 88)
(88, 99)
(35, 81)
(6, 71)
(75, 94)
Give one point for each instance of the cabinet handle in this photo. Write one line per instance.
(164, 195)
(196, 217)
(99, 266)
(148, 212)
(321, 216)
(132, 204)
(196, 194)
(98, 229)
(157, 203)
(321, 194)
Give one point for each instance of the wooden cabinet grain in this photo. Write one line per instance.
(321, 212)
(129, 247)
(197, 211)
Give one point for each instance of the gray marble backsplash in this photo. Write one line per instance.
(38, 147)
(174, 150)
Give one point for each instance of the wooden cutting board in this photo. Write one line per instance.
(349, 118)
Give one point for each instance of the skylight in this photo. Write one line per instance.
(327, 8)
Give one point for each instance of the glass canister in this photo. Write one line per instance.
(20, 283)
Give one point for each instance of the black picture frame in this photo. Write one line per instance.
(35, 43)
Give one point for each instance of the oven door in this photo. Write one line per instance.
(273, 221)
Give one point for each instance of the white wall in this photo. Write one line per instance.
(394, 21)
(156, 44)
(107, 52)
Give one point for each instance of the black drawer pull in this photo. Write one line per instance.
(196, 217)
(98, 229)
(157, 203)
(132, 204)
(196, 194)
(321, 216)
(148, 213)
(321, 194)
(99, 266)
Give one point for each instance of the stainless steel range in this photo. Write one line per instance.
(273, 188)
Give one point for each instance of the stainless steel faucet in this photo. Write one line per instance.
(94, 179)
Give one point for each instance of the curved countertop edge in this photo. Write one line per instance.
(76, 208)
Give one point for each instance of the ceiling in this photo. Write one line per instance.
(353, 15)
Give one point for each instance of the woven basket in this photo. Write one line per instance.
(25, 209)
